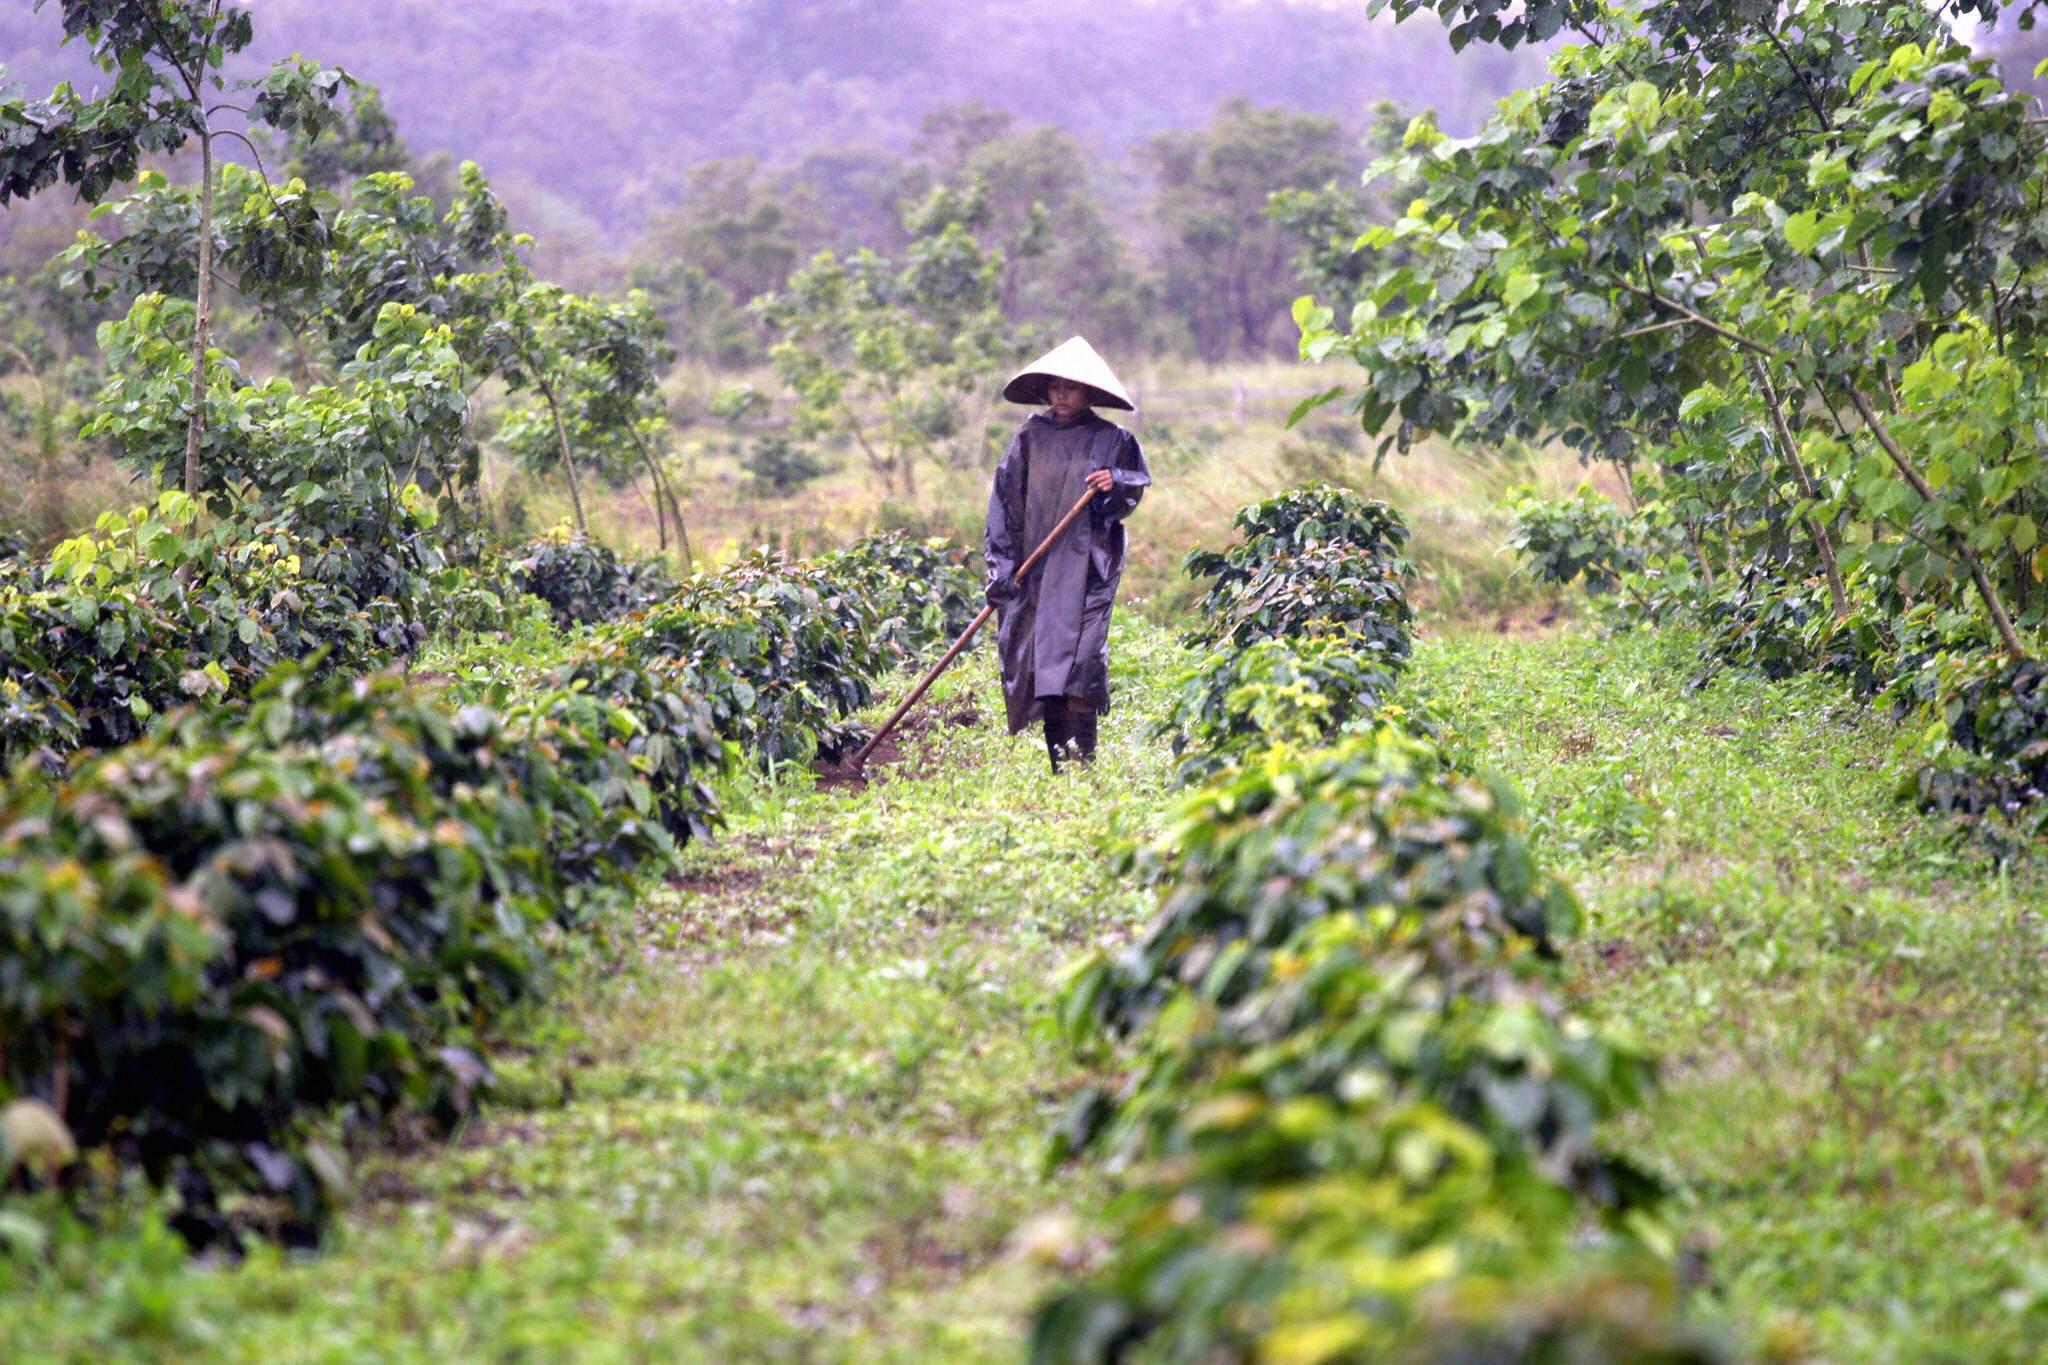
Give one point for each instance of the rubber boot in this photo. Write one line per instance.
(1057, 735)
(1081, 734)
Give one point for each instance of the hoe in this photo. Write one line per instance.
(860, 759)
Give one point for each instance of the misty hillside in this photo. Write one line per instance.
(605, 103)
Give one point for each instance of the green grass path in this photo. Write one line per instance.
(801, 1118)
(1852, 1011)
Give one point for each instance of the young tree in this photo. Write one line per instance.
(167, 59)
(886, 353)
(1808, 236)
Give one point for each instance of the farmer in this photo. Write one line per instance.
(1054, 633)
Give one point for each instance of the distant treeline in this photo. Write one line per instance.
(605, 105)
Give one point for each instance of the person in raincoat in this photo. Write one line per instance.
(1053, 635)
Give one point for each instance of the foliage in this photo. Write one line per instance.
(153, 609)
(252, 918)
(1314, 561)
(1986, 754)
(885, 353)
(780, 465)
(1785, 264)
(1297, 693)
(584, 582)
(781, 651)
(1228, 270)
(168, 60)
(1343, 1073)
(922, 593)
(1583, 538)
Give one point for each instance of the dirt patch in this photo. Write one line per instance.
(844, 777)
(730, 882)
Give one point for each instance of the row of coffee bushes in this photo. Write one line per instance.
(256, 916)
(217, 938)
(153, 609)
(1356, 1115)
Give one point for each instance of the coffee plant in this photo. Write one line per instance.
(782, 651)
(921, 591)
(1341, 1071)
(584, 582)
(1314, 561)
(253, 917)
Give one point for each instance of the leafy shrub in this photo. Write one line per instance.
(1586, 537)
(1284, 839)
(149, 611)
(922, 592)
(1314, 561)
(782, 652)
(583, 582)
(1984, 749)
(1299, 693)
(251, 918)
(1397, 1109)
(779, 464)
(1315, 514)
(1345, 1078)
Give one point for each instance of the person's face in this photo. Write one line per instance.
(1068, 399)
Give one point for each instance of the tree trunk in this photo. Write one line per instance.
(547, 393)
(664, 488)
(202, 323)
(1823, 545)
(653, 485)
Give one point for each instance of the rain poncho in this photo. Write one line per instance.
(1054, 632)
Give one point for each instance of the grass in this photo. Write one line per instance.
(1856, 1114)
(799, 1116)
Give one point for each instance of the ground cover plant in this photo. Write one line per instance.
(1847, 998)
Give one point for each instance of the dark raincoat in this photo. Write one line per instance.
(1054, 632)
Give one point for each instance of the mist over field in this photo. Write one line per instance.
(604, 106)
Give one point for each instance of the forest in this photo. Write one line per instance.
(1554, 871)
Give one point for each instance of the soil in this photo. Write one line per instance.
(843, 776)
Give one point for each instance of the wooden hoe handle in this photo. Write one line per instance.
(1017, 580)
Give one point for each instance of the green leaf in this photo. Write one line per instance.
(1311, 403)
(1802, 230)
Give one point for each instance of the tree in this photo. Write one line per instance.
(1228, 269)
(167, 58)
(605, 406)
(734, 239)
(887, 353)
(1795, 253)
(1067, 267)
(1329, 221)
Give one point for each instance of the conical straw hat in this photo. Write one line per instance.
(1073, 359)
